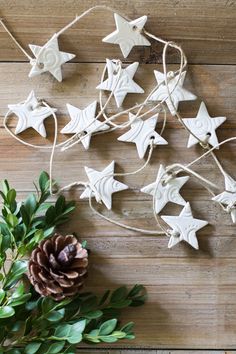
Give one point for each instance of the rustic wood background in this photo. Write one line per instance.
(192, 295)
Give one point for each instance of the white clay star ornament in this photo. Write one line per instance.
(204, 127)
(166, 191)
(184, 227)
(228, 197)
(128, 34)
(31, 114)
(120, 81)
(49, 58)
(103, 185)
(83, 121)
(177, 92)
(142, 133)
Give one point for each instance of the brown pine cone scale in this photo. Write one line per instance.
(58, 267)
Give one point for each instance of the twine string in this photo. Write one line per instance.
(113, 126)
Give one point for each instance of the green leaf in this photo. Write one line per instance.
(119, 294)
(55, 316)
(32, 348)
(108, 327)
(55, 347)
(47, 305)
(2, 295)
(71, 333)
(119, 334)
(5, 186)
(17, 269)
(30, 204)
(75, 339)
(12, 220)
(130, 336)
(25, 216)
(49, 231)
(121, 304)
(18, 291)
(60, 204)
(137, 289)
(11, 199)
(108, 339)
(19, 300)
(78, 327)
(128, 327)
(5, 237)
(6, 311)
(104, 297)
(93, 314)
(43, 181)
(62, 331)
(50, 215)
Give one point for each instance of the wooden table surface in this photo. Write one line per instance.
(192, 295)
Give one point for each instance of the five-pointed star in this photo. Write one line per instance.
(120, 80)
(204, 127)
(83, 121)
(142, 133)
(49, 58)
(165, 191)
(31, 114)
(177, 92)
(228, 197)
(184, 227)
(103, 185)
(127, 34)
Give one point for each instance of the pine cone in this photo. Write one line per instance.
(58, 266)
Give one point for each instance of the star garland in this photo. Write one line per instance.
(141, 120)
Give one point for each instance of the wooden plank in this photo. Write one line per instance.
(191, 301)
(209, 38)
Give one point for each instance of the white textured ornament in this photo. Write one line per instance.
(128, 34)
(177, 92)
(103, 185)
(228, 197)
(120, 80)
(49, 58)
(165, 192)
(142, 133)
(31, 114)
(184, 227)
(204, 127)
(83, 121)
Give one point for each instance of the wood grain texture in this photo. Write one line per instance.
(192, 295)
(206, 29)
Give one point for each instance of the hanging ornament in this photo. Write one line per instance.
(120, 81)
(49, 58)
(142, 132)
(31, 114)
(166, 191)
(228, 197)
(127, 34)
(184, 227)
(103, 185)
(83, 121)
(177, 92)
(203, 127)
